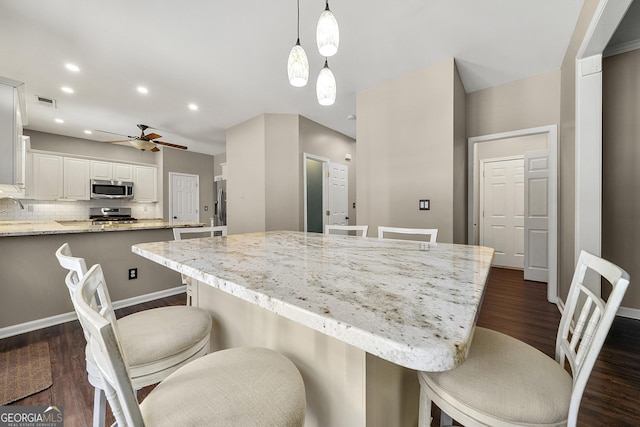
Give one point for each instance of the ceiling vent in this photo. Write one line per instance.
(47, 102)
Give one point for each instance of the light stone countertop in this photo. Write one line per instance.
(35, 228)
(414, 304)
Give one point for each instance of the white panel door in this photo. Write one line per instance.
(184, 198)
(338, 194)
(536, 222)
(502, 211)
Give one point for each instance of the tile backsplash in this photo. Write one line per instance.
(76, 210)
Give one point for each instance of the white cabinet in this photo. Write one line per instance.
(122, 172)
(76, 179)
(100, 169)
(12, 118)
(48, 176)
(109, 170)
(145, 183)
(59, 178)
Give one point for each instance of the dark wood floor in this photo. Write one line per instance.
(511, 305)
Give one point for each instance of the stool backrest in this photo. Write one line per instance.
(179, 232)
(586, 321)
(344, 229)
(93, 306)
(431, 232)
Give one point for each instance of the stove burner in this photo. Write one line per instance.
(113, 220)
(102, 216)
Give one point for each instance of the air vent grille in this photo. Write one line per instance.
(47, 102)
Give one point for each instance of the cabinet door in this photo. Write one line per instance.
(76, 179)
(145, 184)
(47, 177)
(101, 170)
(122, 172)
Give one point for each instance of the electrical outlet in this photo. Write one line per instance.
(133, 273)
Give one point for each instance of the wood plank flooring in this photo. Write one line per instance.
(511, 305)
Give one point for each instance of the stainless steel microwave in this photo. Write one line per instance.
(103, 189)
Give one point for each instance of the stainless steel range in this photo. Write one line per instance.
(99, 216)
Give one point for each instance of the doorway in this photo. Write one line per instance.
(184, 197)
(326, 190)
(476, 145)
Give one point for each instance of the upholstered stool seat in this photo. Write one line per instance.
(508, 379)
(156, 340)
(240, 387)
(235, 387)
(505, 382)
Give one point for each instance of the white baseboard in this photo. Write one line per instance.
(631, 313)
(33, 325)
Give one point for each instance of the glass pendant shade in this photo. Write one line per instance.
(327, 33)
(298, 66)
(326, 86)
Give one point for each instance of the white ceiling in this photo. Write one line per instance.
(229, 57)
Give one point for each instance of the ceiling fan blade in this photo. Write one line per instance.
(152, 136)
(112, 133)
(168, 144)
(154, 149)
(117, 140)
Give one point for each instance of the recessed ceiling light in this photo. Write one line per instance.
(72, 67)
(88, 132)
(193, 107)
(59, 121)
(143, 89)
(66, 89)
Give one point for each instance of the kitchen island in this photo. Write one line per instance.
(357, 316)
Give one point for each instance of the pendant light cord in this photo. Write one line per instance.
(299, 21)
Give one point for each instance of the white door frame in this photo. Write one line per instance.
(552, 137)
(325, 167)
(171, 175)
(588, 135)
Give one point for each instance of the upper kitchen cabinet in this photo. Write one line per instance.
(111, 171)
(145, 183)
(48, 176)
(12, 117)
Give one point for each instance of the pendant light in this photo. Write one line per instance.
(327, 33)
(298, 64)
(326, 86)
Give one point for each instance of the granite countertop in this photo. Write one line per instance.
(414, 304)
(34, 228)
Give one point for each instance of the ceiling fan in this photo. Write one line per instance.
(143, 142)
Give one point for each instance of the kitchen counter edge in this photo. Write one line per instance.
(35, 228)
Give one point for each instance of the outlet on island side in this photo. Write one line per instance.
(133, 273)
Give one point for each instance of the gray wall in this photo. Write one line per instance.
(246, 171)
(188, 162)
(85, 147)
(405, 148)
(264, 163)
(320, 141)
(621, 156)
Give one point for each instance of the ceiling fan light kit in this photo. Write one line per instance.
(328, 40)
